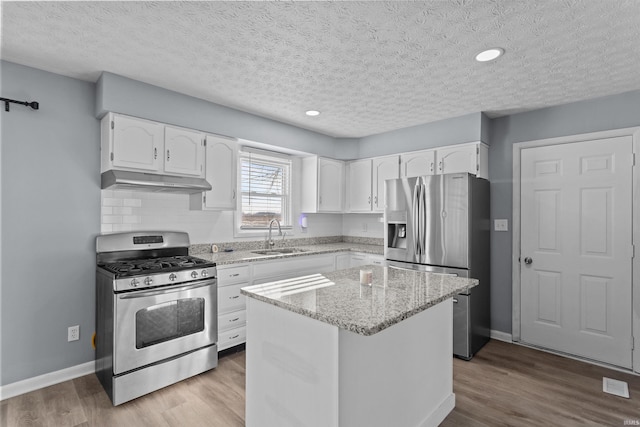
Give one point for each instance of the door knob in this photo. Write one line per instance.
(528, 260)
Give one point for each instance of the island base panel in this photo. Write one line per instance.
(303, 372)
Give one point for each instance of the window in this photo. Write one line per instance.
(265, 189)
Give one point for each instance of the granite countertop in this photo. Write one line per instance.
(236, 257)
(339, 299)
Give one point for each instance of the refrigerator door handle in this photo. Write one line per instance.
(422, 226)
(415, 211)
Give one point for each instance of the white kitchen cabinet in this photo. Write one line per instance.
(221, 165)
(133, 144)
(383, 168)
(472, 158)
(279, 269)
(366, 182)
(418, 163)
(322, 185)
(343, 260)
(358, 259)
(359, 185)
(232, 304)
(183, 152)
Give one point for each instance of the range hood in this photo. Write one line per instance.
(117, 179)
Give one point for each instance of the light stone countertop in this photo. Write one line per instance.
(237, 257)
(339, 299)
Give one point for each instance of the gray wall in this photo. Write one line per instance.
(443, 132)
(611, 112)
(50, 217)
(122, 95)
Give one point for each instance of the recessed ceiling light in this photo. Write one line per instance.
(312, 113)
(490, 54)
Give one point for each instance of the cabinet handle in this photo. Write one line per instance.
(167, 155)
(375, 200)
(455, 300)
(440, 165)
(234, 194)
(234, 275)
(235, 297)
(431, 169)
(234, 337)
(234, 320)
(155, 153)
(320, 199)
(369, 200)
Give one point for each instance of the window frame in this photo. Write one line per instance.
(269, 157)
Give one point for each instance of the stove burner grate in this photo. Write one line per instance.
(132, 267)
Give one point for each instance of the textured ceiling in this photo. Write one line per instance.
(370, 67)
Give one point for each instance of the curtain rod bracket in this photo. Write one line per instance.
(33, 104)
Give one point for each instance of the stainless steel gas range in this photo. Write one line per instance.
(156, 316)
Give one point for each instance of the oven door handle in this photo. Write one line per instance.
(166, 290)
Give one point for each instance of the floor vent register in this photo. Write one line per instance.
(615, 387)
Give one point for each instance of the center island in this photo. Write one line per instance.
(325, 350)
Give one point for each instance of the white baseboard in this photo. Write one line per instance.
(41, 381)
(501, 336)
(440, 413)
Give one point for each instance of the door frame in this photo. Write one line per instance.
(634, 133)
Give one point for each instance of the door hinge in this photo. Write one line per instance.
(633, 251)
(633, 342)
(204, 142)
(112, 124)
(633, 159)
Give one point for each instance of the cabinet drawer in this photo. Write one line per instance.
(230, 299)
(231, 337)
(232, 320)
(229, 275)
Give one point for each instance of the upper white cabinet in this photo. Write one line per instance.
(366, 182)
(472, 157)
(383, 168)
(129, 143)
(359, 185)
(322, 185)
(418, 163)
(221, 161)
(183, 151)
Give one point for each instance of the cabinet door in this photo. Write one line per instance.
(183, 152)
(330, 185)
(360, 186)
(383, 168)
(418, 163)
(221, 167)
(458, 159)
(137, 144)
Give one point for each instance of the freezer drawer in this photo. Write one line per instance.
(461, 326)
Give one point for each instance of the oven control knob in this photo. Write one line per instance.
(204, 273)
(148, 281)
(134, 282)
(172, 277)
(194, 274)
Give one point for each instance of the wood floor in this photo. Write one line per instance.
(504, 385)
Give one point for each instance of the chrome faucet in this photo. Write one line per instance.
(269, 239)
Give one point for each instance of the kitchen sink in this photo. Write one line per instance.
(281, 251)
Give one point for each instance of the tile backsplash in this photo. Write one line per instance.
(124, 210)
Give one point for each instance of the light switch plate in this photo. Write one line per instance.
(501, 224)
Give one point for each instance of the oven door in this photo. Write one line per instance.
(157, 324)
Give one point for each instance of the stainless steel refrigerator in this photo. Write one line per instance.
(440, 224)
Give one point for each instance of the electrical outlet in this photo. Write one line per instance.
(501, 225)
(73, 333)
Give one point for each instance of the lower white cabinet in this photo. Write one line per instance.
(357, 259)
(232, 278)
(232, 304)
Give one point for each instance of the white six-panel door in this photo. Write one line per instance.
(576, 248)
